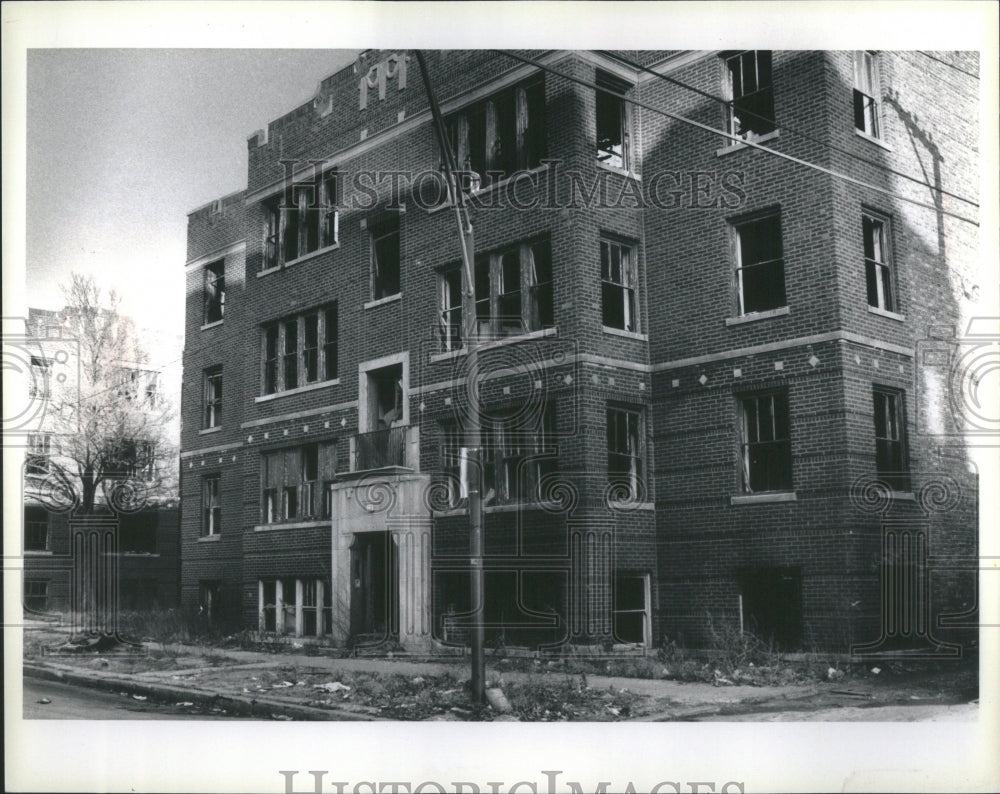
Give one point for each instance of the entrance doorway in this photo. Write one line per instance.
(374, 588)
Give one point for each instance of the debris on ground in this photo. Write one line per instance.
(333, 686)
(496, 698)
(43, 701)
(138, 697)
(833, 674)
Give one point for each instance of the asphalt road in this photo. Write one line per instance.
(68, 702)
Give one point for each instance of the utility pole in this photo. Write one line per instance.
(473, 432)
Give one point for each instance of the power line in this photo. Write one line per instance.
(949, 65)
(790, 129)
(734, 138)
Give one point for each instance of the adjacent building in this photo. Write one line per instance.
(704, 284)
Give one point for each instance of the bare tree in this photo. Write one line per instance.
(110, 429)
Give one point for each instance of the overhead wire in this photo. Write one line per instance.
(786, 127)
(734, 138)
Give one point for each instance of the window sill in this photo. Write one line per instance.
(383, 301)
(507, 340)
(206, 326)
(141, 553)
(627, 506)
(210, 430)
(292, 525)
(313, 254)
(625, 172)
(507, 507)
(754, 316)
(38, 552)
(764, 498)
(298, 390)
(268, 271)
(902, 496)
(627, 334)
(209, 538)
(884, 313)
(735, 147)
(872, 139)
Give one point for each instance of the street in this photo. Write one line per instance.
(68, 702)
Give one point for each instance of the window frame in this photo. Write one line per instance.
(41, 371)
(214, 292)
(867, 93)
(278, 350)
(634, 473)
(739, 227)
(762, 124)
(781, 481)
(387, 227)
(38, 458)
(477, 131)
(627, 288)
(308, 225)
(36, 601)
(619, 109)
(211, 505)
(490, 322)
(212, 397)
(894, 419)
(288, 496)
(880, 276)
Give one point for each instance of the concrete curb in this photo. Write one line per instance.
(260, 708)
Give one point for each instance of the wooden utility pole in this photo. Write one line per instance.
(473, 432)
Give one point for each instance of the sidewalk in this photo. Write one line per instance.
(294, 684)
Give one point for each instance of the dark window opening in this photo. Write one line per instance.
(631, 608)
(618, 286)
(270, 359)
(215, 292)
(291, 481)
(612, 122)
(760, 272)
(36, 595)
(385, 258)
(766, 449)
(310, 223)
(211, 506)
(137, 533)
(890, 439)
(772, 605)
(625, 451)
(752, 105)
(36, 529)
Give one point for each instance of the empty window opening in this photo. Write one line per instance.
(878, 270)
(215, 292)
(385, 255)
(771, 600)
(751, 110)
(766, 453)
(760, 269)
(866, 92)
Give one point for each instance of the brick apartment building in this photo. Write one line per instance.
(703, 396)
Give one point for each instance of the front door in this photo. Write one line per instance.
(374, 588)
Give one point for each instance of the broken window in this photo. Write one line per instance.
(866, 92)
(760, 267)
(309, 223)
(291, 481)
(513, 290)
(213, 397)
(517, 453)
(211, 522)
(385, 257)
(618, 285)
(751, 107)
(499, 135)
(298, 364)
(625, 452)
(302, 607)
(613, 114)
(766, 445)
(37, 460)
(890, 438)
(878, 271)
(631, 608)
(36, 528)
(215, 292)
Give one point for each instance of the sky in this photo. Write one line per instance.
(123, 143)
